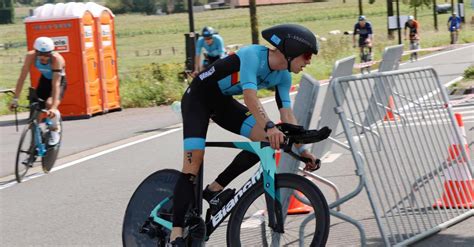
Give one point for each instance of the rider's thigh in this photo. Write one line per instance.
(192, 161)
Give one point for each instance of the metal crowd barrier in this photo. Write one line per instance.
(404, 158)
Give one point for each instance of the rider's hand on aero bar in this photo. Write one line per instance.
(297, 134)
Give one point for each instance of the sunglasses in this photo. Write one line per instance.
(307, 55)
(43, 54)
(208, 38)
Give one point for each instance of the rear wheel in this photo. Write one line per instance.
(248, 225)
(25, 155)
(137, 229)
(49, 158)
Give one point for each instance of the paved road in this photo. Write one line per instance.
(83, 204)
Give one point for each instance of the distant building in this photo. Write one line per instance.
(244, 3)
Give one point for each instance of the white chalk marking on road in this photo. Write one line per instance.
(331, 157)
(256, 220)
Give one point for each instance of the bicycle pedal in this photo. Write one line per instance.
(152, 229)
(196, 228)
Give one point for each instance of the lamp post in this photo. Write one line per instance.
(398, 23)
(190, 15)
(190, 39)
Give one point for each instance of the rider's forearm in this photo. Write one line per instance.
(56, 83)
(255, 107)
(21, 81)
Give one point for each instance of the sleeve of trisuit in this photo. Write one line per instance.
(248, 69)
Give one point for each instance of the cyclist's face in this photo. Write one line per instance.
(362, 23)
(208, 40)
(300, 62)
(43, 56)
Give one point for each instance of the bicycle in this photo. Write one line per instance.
(33, 140)
(454, 35)
(256, 211)
(414, 45)
(365, 57)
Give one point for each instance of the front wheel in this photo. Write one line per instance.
(25, 155)
(248, 225)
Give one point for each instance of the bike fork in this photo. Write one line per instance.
(275, 214)
(40, 147)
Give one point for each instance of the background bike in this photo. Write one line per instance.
(34, 140)
(365, 57)
(454, 35)
(258, 209)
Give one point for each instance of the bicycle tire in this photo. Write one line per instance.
(52, 152)
(154, 189)
(235, 237)
(22, 169)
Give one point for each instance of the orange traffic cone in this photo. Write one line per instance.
(458, 188)
(391, 105)
(295, 206)
(454, 149)
(459, 185)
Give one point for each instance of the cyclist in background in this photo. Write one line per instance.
(52, 82)
(210, 97)
(214, 46)
(454, 25)
(363, 28)
(414, 28)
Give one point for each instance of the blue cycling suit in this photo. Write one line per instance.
(454, 23)
(216, 49)
(210, 94)
(44, 88)
(363, 32)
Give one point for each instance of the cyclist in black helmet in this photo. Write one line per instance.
(366, 37)
(210, 97)
(214, 46)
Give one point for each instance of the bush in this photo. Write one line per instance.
(153, 85)
(469, 72)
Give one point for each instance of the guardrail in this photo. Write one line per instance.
(402, 167)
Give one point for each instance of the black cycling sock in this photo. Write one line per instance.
(183, 196)
(241, 163)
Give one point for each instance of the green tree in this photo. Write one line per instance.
(417, 4)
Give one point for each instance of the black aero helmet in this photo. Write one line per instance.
(292, 40)
(207, 32)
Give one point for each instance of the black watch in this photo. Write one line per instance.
(269, 125)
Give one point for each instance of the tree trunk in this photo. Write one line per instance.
(253, 21)
(170, 6)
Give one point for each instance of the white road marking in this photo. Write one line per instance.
(331, 157)
(75, 162)
(256, 220)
